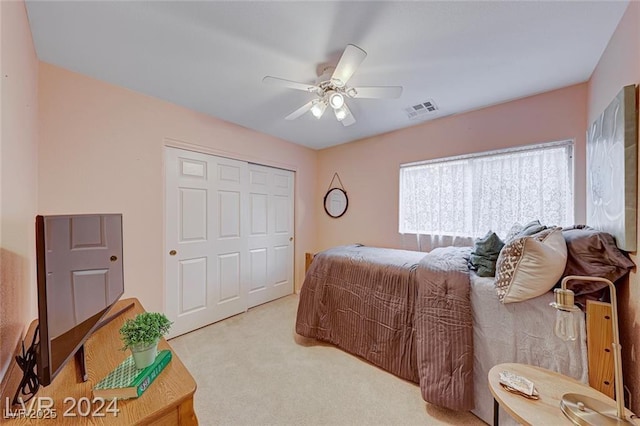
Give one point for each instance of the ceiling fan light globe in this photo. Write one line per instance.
(336, 100)
(318, 109)
(341, 113)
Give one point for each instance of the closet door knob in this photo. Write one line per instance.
(173, 253)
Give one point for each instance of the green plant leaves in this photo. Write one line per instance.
(145, 328)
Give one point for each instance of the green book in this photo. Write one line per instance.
(126, 381)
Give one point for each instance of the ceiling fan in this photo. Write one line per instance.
(332, 90)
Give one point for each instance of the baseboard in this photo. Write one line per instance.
(11, 378)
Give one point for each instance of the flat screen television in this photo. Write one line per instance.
(80, 276)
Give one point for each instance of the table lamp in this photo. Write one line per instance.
(581, 409)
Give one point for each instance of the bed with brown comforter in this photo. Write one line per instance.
(404, 311)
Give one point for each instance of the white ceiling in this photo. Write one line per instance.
(211, 56)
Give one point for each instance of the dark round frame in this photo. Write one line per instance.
(327, 196)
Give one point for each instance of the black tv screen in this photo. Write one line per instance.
(80, 276)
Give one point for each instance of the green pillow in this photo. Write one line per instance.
(485, 254)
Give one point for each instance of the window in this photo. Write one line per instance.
(470, 195)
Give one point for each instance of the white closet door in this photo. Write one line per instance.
(206, 251)
(270, 233)
(229, 237)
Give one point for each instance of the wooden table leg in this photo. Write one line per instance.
(496, 412)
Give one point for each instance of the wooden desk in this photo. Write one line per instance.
(167, 401)
(550, 385)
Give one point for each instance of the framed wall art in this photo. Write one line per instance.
(612, 169)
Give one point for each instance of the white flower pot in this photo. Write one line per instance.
(144, 355)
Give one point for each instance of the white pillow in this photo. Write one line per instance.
(528, 267)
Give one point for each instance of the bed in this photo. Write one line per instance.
(426, 318)
(366, 300)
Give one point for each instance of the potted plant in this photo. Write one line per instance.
(142, 333)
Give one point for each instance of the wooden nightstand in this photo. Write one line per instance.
(550, 385)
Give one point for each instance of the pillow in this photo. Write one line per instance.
(593, 253)
(485, 254)
(518, 230)
(531, 228)
(513, 232)
(529, 266)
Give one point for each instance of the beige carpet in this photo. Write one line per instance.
(252, 369)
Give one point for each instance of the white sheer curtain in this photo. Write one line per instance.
(472, 195)
(433, 198)
(520, 187)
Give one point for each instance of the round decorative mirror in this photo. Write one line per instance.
(336, 202)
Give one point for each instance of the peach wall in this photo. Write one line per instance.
(18, 178)
(102, 150)
(369, 168)
(620, 66)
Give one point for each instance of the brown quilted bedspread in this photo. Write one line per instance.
(404, 311)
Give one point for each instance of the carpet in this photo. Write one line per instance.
(252, 369)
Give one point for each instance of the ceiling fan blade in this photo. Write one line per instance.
(378, 92)
(349, 119)
(275, 81)
(297, 113)
(351, 58)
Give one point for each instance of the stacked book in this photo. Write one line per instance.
(126, 381)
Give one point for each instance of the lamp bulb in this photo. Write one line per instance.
(566, 325)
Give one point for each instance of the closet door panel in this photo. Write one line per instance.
(205, 249)
(272, 232)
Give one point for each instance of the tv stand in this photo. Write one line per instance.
(80, 362)
(80, 359)
(167, 401)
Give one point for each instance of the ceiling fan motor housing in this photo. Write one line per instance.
(328, 87)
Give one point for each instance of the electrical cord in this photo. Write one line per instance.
(27, 362)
